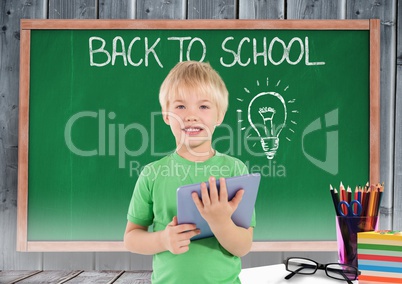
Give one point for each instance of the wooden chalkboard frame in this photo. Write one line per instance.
(23, 244)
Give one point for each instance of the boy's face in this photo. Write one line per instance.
(193, 120)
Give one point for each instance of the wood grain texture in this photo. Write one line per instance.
(75, 276)
(51, 276)
(74, 9)
(161, 9)
(214, 9)
(99, 277)
(13, 276)
(385, 10)
(315, 9)
(122, 9)
(137, 277)
(262, 9)
(11, 13)
(397, 208)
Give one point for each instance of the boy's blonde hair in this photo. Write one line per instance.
(193, 77)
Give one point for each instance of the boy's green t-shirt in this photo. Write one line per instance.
(154, 203)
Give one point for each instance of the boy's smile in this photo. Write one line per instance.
(192, 130)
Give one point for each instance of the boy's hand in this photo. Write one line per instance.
(176, 238)
(215, 207)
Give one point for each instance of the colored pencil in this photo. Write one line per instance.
(349, 195)
(343, 197)
(335, 199)
(359, 194)
(369, 197)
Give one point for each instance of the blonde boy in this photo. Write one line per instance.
(194, 100)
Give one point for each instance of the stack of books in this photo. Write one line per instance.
(380, 256)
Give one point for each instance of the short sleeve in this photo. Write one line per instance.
(140, 210)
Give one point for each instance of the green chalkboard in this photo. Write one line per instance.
(94, 120)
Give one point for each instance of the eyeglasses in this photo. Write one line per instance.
(299, 265)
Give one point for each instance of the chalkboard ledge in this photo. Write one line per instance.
(119, 246)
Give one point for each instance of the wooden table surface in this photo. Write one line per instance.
(76, 276)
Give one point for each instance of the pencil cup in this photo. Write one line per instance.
(346, 235)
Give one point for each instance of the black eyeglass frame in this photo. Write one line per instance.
(319, 266)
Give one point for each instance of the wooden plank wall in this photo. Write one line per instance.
(11, 11)
(398, 125)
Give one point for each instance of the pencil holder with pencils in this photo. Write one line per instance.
(355, 213)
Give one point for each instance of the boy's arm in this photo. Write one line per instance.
(175, 238)
(217, 210)
(235, 239)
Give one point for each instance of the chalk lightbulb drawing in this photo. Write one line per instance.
(267, 115)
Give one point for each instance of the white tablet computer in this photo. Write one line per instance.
(187, 212)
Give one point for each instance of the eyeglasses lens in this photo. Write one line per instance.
(301, 266)
(339, 271)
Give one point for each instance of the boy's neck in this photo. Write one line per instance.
(195, 156)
